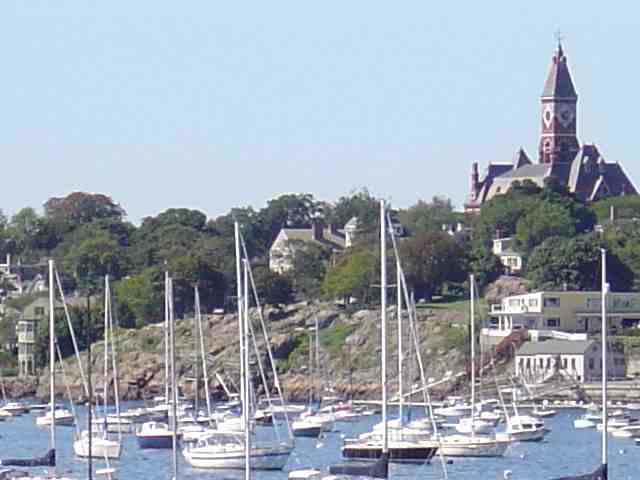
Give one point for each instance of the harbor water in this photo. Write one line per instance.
(564, 451)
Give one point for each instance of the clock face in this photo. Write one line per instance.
(547, 115)
(565, 114)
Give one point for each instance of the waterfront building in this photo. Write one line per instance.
(579, 360)
(581, 168)
(565, 311)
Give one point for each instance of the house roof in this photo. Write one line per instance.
(559, 83)
(329, 238)
(555, 347)
(528, 171)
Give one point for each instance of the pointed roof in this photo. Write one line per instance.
(559, 83)
(520, 159)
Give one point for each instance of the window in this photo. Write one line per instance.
(553, 302)
(593, 303)
(553, 322)
(541, 362)
(533, 302)
(498, 189)
(573, 364)
(592, 364)
(548, 362)
(564, 363)
(39, 311)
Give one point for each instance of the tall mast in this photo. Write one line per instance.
(383, 320)
(400, 352)
(605, 288)
(239, 296)
(52, 360)
(317, 360)
(166, 335)
(106, 345)
(205, 374)
(473, 358)
(174, 389)
(245, 379)
(196, 336)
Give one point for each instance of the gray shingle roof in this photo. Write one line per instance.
(559, 83)
(555, 347)
(528, 171)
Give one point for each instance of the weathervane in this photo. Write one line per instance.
(559, 36)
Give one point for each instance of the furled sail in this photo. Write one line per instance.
(49, 460)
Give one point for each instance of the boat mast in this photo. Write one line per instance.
(52, 359)
(166, 335)
(473, 358)
(203, 353)
(174, 389)
(106, 347)
(239, 297)
(245, 379)
(400, 353)
(196, 331)
(317, 360)
(383, 320)
(605, 289)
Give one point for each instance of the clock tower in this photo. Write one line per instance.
(558, 141)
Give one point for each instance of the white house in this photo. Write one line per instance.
(579, 359)
(510, 259)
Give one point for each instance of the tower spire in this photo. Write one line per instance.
(558, 141)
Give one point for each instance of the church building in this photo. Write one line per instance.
(580, 167)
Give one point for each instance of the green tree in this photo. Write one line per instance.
(310, 262)
(431, 259)
(352, 275)
(361, 205)
(139, 298)
(545, 220)
(574, 264)
(429, 217)
(272, 288)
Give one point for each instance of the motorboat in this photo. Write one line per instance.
(543, 412)
(584, 422)
(155, 435)
(399, 451)
(312, 425)
(15, 408)
(101, 446)
(223, 450)
(63, 417)
(525, 428)
(115, 424)
(477, 425)
(473, 446)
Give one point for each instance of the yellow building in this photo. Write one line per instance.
(570, 312)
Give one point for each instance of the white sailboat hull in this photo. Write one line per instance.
(232, 457)
(466, 447)
(100, 448)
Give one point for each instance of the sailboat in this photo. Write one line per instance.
(602, 471)
(236, 450)
(100, 445)
(310, 423)
(373, 446)
(473, 444)
(155, 434)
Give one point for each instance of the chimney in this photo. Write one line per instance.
(474, 180)
(316, 229)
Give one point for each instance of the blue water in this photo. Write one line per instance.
(565, 451)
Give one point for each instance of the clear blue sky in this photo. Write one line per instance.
(210, 105)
